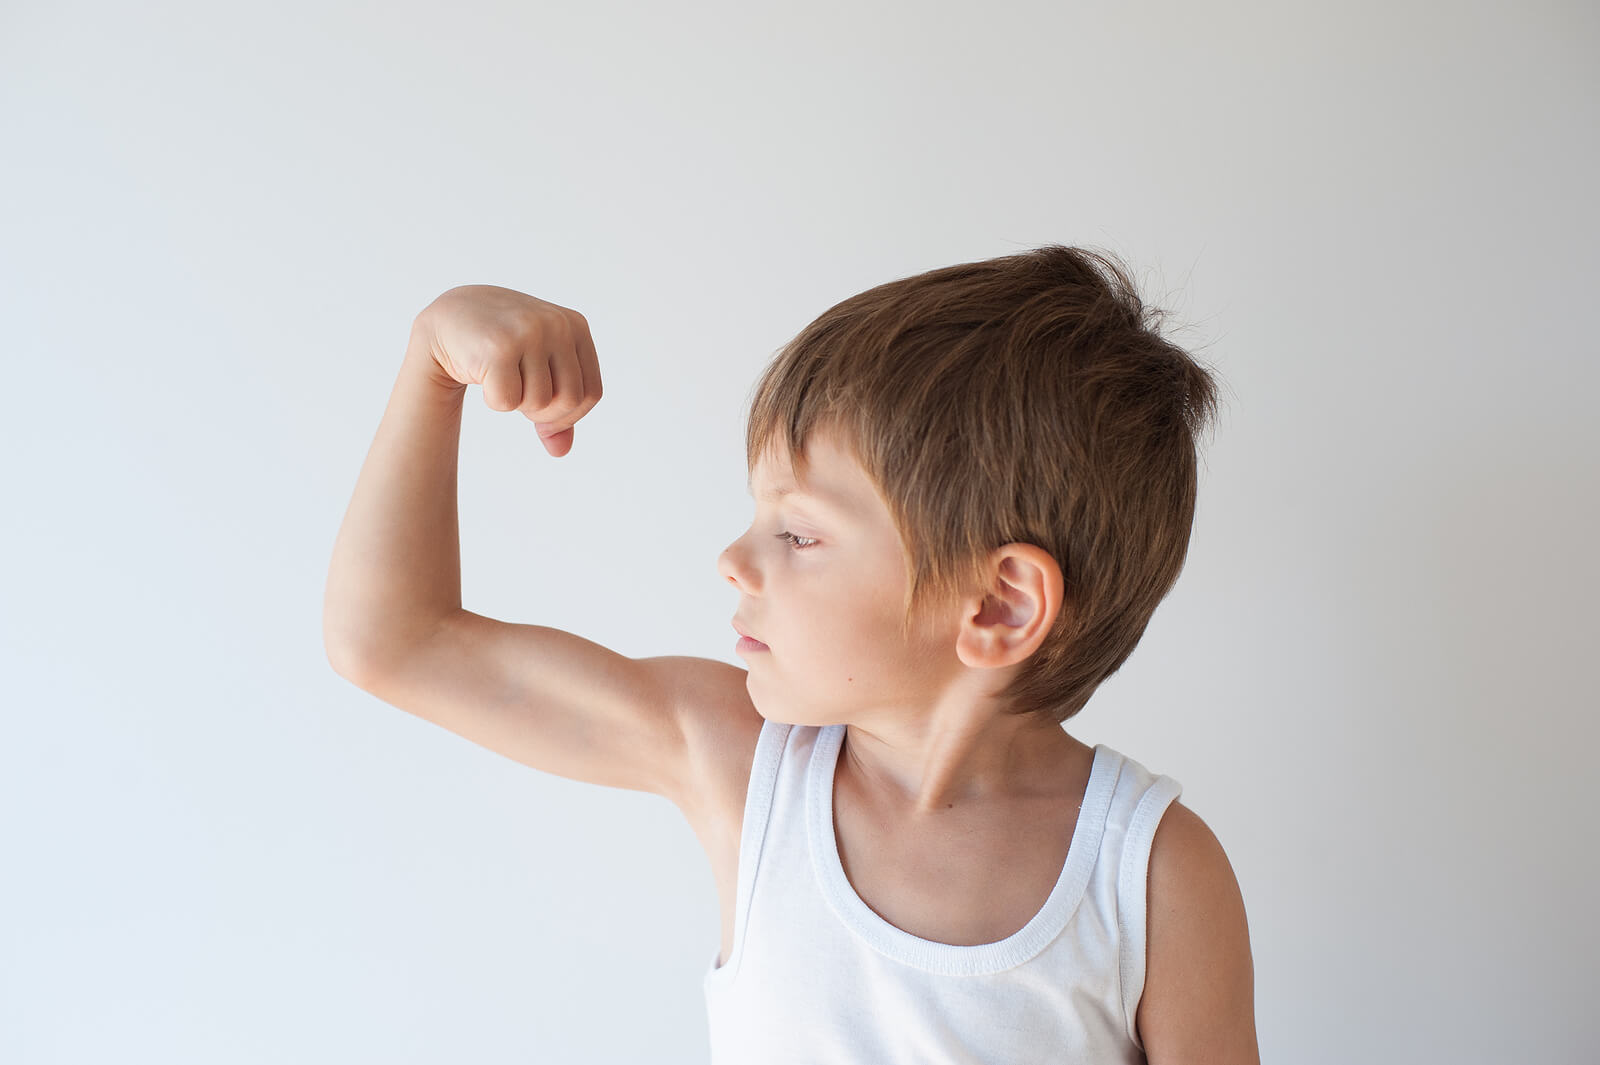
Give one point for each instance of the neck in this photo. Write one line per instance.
(959, 762)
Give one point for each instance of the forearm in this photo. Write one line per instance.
(396, 569)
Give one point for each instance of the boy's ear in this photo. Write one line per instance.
(1011, 620)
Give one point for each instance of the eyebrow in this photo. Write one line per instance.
(778, 492)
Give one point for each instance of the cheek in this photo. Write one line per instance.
(860, 645)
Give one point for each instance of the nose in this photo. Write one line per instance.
(731, 564)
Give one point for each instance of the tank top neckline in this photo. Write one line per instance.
(949, 958)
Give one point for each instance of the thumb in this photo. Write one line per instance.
(558, 443)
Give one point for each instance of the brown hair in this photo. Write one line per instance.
(1026, 398)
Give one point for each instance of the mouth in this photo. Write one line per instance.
(748, 643)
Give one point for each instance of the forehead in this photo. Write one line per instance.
(833, 475)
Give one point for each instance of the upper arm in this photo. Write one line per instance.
(1198, 1003)
(551, 700)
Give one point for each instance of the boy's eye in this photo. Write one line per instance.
(795, 541)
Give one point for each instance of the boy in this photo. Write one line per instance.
(973, 487)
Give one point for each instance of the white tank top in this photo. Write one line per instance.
(816, 976)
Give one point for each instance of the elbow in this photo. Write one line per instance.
(344, 650)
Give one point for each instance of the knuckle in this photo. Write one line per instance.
(501, 343)
(558, 325)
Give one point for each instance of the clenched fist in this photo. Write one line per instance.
(529, 355)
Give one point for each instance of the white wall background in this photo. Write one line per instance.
(1376, 220)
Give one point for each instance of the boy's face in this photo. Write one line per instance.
(828, 603)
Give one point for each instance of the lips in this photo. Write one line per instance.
(739, 627)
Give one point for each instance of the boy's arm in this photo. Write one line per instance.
(1199, 992)
(396, 568)
(392, 616)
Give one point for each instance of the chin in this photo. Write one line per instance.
(774, 714)
(794, 715)
(778, 715)
(781, 711)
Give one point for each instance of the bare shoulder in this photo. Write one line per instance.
(1198, 1003)
(719, 726)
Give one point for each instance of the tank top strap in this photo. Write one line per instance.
(770, 746)
(1140, 800)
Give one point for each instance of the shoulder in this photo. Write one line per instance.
(720, 728)
(1198, 1002)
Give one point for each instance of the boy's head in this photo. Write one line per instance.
(1026, 399)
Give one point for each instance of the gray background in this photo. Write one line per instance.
(1375, 220)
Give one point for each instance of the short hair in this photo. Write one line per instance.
(1025, 398)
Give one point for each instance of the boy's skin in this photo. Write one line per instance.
(952, 819)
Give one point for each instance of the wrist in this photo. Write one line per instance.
(419, 360)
